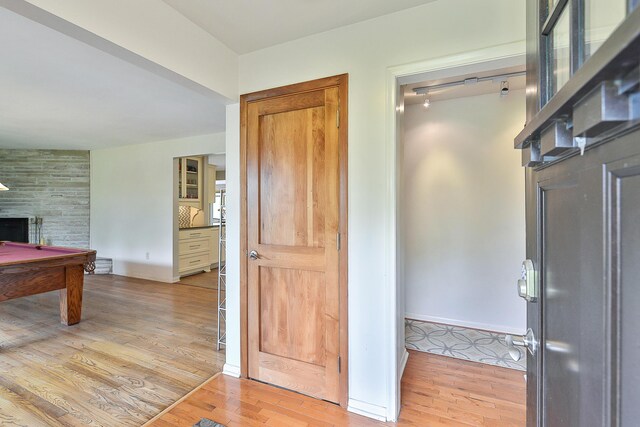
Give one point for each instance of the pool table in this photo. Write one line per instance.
(27, 269)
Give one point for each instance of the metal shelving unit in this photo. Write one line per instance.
(222, 273)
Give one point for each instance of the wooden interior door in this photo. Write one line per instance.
(293, 242)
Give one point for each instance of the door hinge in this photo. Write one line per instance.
(338, 118)
(338, 241)
(339, 364)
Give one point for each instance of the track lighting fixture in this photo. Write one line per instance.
(504, 88)
(502, 78)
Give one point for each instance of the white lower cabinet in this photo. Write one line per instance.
(195, 247)
(198, 249)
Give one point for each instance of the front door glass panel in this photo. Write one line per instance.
(560, 63)
(601, 17)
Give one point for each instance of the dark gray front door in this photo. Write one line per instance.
(587, 212)
(581, 150)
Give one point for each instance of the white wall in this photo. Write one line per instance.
(463, 212)
(132, 203)
(365, 51)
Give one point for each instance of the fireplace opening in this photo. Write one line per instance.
(14, 229)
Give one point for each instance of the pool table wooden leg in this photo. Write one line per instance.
(71, 296)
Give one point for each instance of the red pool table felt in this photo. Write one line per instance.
(27, 269)
(19, 253)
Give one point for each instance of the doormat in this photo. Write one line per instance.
(206, 422)
(462, 343)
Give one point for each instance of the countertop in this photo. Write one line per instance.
(195, 227)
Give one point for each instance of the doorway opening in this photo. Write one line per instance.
(200, 192)
(462, 213)
(200, 244)
(459, 222)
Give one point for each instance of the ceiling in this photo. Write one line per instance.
(249, 25)
(58, 92)
(463, 91)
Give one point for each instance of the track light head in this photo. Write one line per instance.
(504, 88)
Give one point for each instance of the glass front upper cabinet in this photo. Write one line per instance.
(190, 178)
(572, 31)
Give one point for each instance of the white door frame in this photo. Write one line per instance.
(501, 56)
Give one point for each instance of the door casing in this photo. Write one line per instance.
(341, 82)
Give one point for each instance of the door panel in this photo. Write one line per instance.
(587, 211)
(561, 235)
(572, 341)
(292, 178)
(624, 262)
(293, 214)
(629, 295)
(292, 317)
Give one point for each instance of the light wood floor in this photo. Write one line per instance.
(141, 346)
(202, 280)
(436, 391)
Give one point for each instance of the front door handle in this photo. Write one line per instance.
(253, 255)
(527, 341)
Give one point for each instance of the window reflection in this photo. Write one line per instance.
(560, 62)
(601, 17)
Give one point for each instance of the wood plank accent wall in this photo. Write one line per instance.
(52, 184)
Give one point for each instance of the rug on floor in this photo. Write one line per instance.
(206, 422)
(462, 343)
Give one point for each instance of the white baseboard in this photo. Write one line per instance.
(231, 370)
(466, 324)
(150, 274)
(403, 363)
(367, 409)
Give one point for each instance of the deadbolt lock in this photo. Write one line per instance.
(528, 282)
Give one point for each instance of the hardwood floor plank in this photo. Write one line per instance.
(203, 280)
(34, 406)
(140, 347)
(143, 345)
(436, 391)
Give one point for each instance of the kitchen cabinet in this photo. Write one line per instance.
(195, 250)
(198, 249)
(190, 181)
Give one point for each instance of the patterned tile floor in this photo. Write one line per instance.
(462, 343)
(206, 422)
